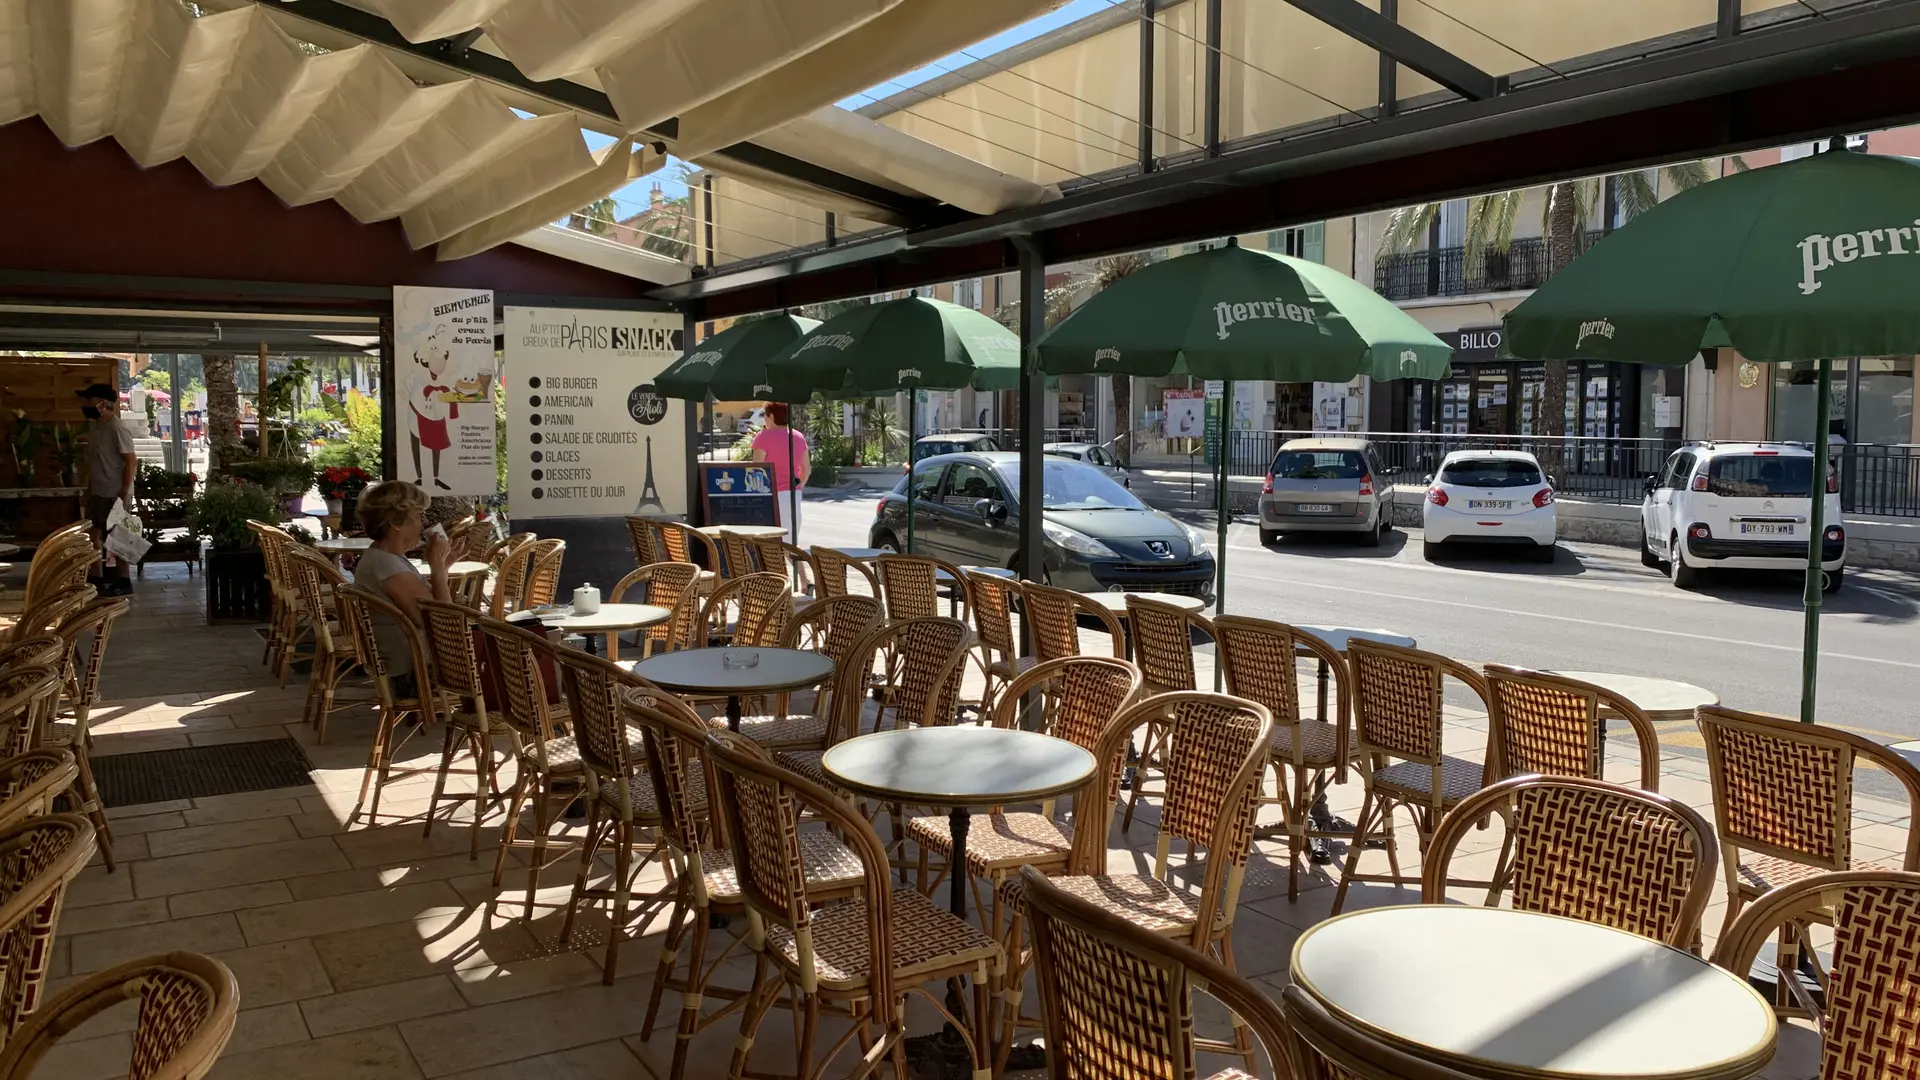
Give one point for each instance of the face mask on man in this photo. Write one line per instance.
(91, 412)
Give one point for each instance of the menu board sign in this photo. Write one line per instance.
(443, 359)
(737, 493)
(587, 434)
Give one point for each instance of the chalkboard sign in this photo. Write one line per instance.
(738, 493)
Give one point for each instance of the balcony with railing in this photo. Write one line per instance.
(1447, 271)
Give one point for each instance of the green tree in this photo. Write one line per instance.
(597, 217)
(1060, 302)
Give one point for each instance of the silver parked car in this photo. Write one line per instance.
(1326, 485)
(1093, 454)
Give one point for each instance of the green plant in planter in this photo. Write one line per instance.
(25, 442)
(157, 482)
(70, 446)
(220, 513)
(284, 477)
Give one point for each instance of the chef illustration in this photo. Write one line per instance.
(425, 385)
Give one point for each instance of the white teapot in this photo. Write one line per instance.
(586, 599)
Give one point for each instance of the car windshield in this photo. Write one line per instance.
(1760, 476)
(1490, 473)
(1319, 465)
(1071, 485)
(922, 451)
(1072, 455)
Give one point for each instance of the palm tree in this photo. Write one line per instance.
(1060, 302)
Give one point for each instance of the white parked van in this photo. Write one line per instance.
(1740, 506)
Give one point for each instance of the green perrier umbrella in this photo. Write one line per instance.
(911, 344)
(732, 366)
(1232, 313)
(1806, 260)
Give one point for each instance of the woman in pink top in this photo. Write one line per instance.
(787, 450)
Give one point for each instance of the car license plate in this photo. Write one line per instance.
(1314, 508)
(1489, 504)
(1766, 528)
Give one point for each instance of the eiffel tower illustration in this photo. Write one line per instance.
(650, 492)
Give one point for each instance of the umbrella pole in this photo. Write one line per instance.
(1220, 553)
(1817, 519)
(913, 407)
(793, 482)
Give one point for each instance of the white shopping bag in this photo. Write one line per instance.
(124, 541)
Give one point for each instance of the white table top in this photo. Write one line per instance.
(703, 671)
(1654, 696)
(744, 530)
(343, 545)
(1116, 602)
(862, 553)
(1500, 992)
(7, 551)
(463, 569)
(1909, 750)
(1338, 636)
(993, 571)
(958, 766)
(609, 618)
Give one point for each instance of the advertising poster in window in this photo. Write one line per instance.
(1185, 416)
(587, 435)
(444, 386)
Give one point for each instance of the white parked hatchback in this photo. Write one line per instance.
(1490, 497)
(1740, 506)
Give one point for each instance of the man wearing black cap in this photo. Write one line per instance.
(111, 465)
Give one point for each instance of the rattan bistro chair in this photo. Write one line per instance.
(1783, 800)
(749, 610)
(910, 585)
(676, 541)
(1594, 851)
(670, 585)
(543, 574)
(832, 628)
(30, 782)
(997, 646)
(335, 657)
(1325, 1047)
(509, 563)
(1053, 619)
(188, 1006)
(1553, 725)
(1397, 697)
(707, 883)
(1112, 992)
(646, 546)
(358, 608)
(38, 858)
(1869, 1020)
(830, 570)
(868, 953)
(40, 649)
(1080, 696)
(28, 699)
(1163, 648)
(448, 629)
(1260, 660)
(1216, 749)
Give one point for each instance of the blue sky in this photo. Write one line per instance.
(634, 197)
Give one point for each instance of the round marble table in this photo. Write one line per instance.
(706, 672)
(464, 578)
(862, 553)
(8, 551)
(752, 532)
(607, 622)
(993, 571)
(343, 545)
(1660, 699)
(1909, 750)
(1520, 996)
(1116, 602)
(959, 768)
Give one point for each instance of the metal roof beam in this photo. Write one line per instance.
(1369, 27)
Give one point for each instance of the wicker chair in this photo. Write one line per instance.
(1163, 647)
(188, 1006)
(776, 556)
(1589, 850)
(45, 615)
(676, 541)
(38, 857)
(832, 628)
(620, 798)
(284, 621)
(40, 649)
(449, 632)
(29, 694)
(869, 953)
(1111, 992)
(1783, 800)
(358, 608)
(1260, 660)
(646, 547)
(543, 576)
(708, 884)
(1554, 726)
(1325, 1047)
(1216, 749)
(910, 586)
(30, 782)
(994, 599)
(830, 569)
(1869, 1020)
(509, 563)
(738, 556)
(334, 655)
(1397, 697)
(86, 632)
(1053, 619)
(56, 565)
(1080, 697)
(751, 610)
(669, 585)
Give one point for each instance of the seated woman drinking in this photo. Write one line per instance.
(393, 515)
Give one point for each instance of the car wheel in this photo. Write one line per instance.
(1647, 557)
(1372, 536)
(1545, 553)
(888, 544)
(1835, 578)
(1269, 537)
(1430, 550)
(1684, 576)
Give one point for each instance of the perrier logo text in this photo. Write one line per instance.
(1820, 252)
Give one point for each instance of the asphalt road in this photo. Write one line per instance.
(1595, 608)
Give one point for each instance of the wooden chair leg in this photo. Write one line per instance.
(440, 782)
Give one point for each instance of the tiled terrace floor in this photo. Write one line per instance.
(376, 953)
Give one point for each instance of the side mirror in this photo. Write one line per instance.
(1652, 484)
(991, 510)
(1427, 480)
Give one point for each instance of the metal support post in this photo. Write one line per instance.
(1033, 405)
(1149, 30)
(1211, 118)
(1389, 66)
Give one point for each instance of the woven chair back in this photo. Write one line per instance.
(776, 556)
(672, 736)
(543, 576)
(834, 629)
(676, 541)
(1053, 618)
(994, 598)
(933, 655)
(757, 607)
(86, 632)
(359, 610)
(38, 857)
(515, 560)
(1550, 724)
(1589, 850)
(669, 585)
(514, 654)
(593, 689)
(1870, 1019)
(1785, 789)
(909, 585)
(1163, 643)
(40, 649)
(1397, 696)
(47, 613)
(497, 551)
(646, 547)
(30, 781)
(738, 555)
(1080, 696)
(830, 570)
(1117, 1001)
(1325, 1047)
(448, 629)
(188, 1007)
(314, 576)
(62, 567)
(28, 694)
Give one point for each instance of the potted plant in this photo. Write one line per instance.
(163, 495)
(69, 445)
(236, 574)
(342, 484)
(25, 442)
(286, 478)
